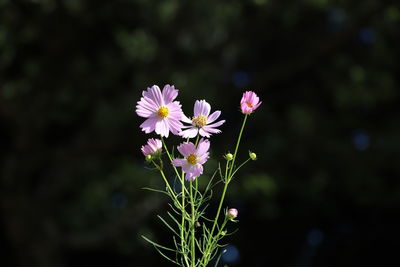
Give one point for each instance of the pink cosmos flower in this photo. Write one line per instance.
(249, 102)
(162, 112)
(153, 146)
(202, 122)
(194, 158)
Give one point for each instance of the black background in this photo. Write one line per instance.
(325, 189)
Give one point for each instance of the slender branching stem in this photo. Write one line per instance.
(193, 226)
(170, 157)
(227, 179)
(183, 228)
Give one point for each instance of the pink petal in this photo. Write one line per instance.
(162, 127)
(186, 119)
(256, 106)
(145, 150)
(154, 144)
(216, 124)
(186, 149)
(189, 133)
(175, 110)
(144, 108)
(203, 158)
(246, 109)
(202, 147)
(192, 171)
(179, 162)
(204, 133)
(154, 93)
(189, 173)
(175, 126)
(201, 107)
(197, 170)
(149, 125)
(213, 116)
(169, 93)
(211, 130)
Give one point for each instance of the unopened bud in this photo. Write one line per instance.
(229, 157)
(223, 233)
(148, 158)
(232, 213)
(252, 155)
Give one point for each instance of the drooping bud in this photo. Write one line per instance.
(252, 155)
(232, 213)
(152, 148)
(229, 157)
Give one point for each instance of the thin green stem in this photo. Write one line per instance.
(167, 184)
(170, 158)
(219, 207)
(193, 226)
(182, 178)
(215, 240)
(197, 140)
(226, 182)
(226, 169)
(237, 146)
(227, 179)
(240, 166)
(183, 219)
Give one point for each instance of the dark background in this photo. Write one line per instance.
(325, 189)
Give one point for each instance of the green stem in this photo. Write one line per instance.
(197, 140)
(226, 181)
(167, 183)
(237, 146)
(170, 158)
(240, 166)
(193, 226)
(215, 240)
(182, 178)
(183, 219)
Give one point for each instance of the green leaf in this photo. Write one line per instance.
(165, 256)
(155, 190)
(170, 227)
(157, 245)
(175, 220)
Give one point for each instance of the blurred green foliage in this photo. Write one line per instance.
(324, 190)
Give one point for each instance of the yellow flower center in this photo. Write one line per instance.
(163, 112)
(249, 105)
(192, 159)
(199, 121)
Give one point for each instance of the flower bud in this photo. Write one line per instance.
(252, 155)
(148, 158)
(223, 233)
(232, 213)
(229, 157)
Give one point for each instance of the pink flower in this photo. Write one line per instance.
(249, 102)
(194, 159)
(202, 122)
(153, 146)
(162, 112)
(232, 213)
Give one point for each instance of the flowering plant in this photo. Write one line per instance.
(196, 237)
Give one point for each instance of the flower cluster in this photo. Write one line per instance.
(163, 115)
